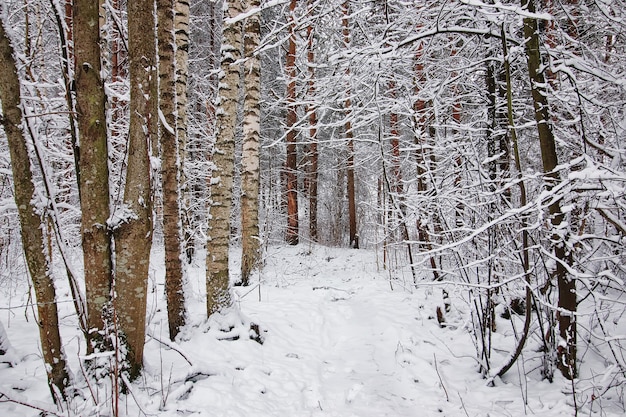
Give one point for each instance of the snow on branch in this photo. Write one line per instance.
(253, 11)
(509, 8)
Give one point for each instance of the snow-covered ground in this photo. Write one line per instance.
(339, 339)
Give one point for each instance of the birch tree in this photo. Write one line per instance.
(181, 34)
(217, 284)
(250, 155)
(170, 172)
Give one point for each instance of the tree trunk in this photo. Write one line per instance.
(218, 292)
(170, 169)
(353, 235)
(566, 351)
(31, 222)
(291, 174)
(250, 154)
(93, 167)
(423, 152)
(313, 150)
(133, 232)
(181, 33)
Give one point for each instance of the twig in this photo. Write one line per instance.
(463, 404)
(440, 379)
(132, 394)
(171, 346)
(37, 405)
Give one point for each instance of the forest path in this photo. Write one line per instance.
(339, 341)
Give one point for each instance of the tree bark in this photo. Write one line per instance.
(181, 31)
(31, 222)
(170, 168)
(93, 167)
(133, 233)
(313, 150)
(566, 350)
(291, 175)
(218, 292)
(250, 154)
(353, 235)
(423, 152)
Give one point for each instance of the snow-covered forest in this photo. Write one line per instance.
(312, 207)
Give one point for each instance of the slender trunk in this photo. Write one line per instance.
(218, 292)
(250, 154)
(313, 150)
(566, 351)
(423, 153)
(170, 169)
(354, 237)
(94, 171)
(31, 222)
(181, 31)
(65, 37)
(133, 232)
(525, 257)
(291, 163)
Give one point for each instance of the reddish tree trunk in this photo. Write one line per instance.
(290, 166)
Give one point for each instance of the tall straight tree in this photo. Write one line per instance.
(291, 176)
(250, 155)
(133, 231)
(170, 168)
(181, 33)
(217, 279)
(353, 237)
(93, 167)
(422, 153)
(31, 221)
(566, 353)
(313, 150)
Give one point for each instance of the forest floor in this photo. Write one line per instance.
(342, 337)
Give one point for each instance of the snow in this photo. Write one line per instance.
(342, 337)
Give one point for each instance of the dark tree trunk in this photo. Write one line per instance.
(93, 168)
(291, 163)
(566, 351)
(133, 234)
(31, 222)
(352, 220)
(313, 149)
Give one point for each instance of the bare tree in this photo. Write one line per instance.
(181, 34)
(170, 162)
(250, 155)
(291, 175)
(217, 280)
(566, 360)
(31, 221)
(313, 174)
(349, 132)
(93, 168)
(133, 221)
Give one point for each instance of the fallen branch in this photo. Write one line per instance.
(171, 346)
(37, 405)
